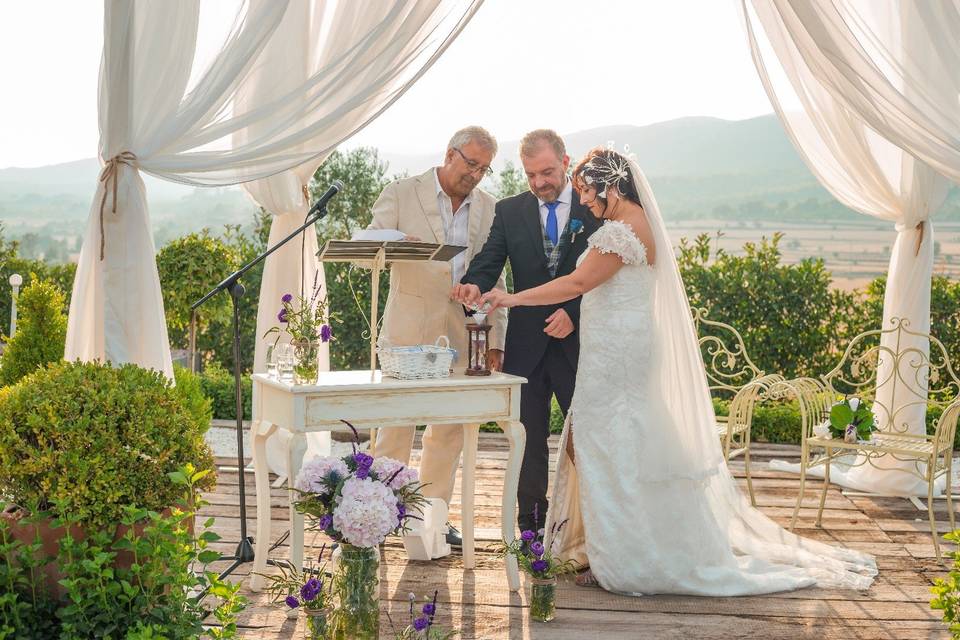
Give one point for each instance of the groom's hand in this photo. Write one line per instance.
(466, 294)
(559, 324)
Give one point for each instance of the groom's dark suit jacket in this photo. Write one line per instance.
(517, 234)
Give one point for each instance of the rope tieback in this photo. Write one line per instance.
(920, 227)
(111, 173)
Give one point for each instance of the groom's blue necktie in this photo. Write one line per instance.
(551, 229)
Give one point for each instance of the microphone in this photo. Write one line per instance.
(326, 197)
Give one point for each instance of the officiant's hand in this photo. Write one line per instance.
(409, 238)
(465, 294)
(495, 360)
(559, 324)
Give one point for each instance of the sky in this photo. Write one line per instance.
(519, 65)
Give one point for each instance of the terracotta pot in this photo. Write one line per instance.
(50, 537)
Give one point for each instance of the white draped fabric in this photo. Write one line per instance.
(214, 127)
(868, 92)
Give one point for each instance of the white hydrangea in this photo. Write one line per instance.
(385, 468)
(314, 471)
(366, 512)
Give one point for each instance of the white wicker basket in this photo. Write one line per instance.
(419, 362)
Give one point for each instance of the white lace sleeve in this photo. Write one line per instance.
(617, 237)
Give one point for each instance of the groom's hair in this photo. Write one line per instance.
(531, 142)
(473, 134)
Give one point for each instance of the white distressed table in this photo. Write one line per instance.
(371, 401)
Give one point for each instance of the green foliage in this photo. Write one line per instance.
(11, 262)
(217, 341)
(348, 287)
(143, 580)
(189, 387)
(41, 332)
(218, 385)
(89, 440)
(510, 181)
(842, 415)
(786, 314)
(189, 267)
(946, 591)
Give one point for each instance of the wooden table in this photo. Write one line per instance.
(372, 401)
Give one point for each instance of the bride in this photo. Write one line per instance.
(642, 485)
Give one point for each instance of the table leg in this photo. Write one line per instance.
(471, 434)
(298, 446)
(261, 471)
(517, 437)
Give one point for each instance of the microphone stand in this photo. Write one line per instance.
(244, 552)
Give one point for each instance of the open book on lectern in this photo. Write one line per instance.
(393, 251)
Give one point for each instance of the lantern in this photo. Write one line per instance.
(478, 333)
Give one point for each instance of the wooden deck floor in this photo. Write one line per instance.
(479, 603)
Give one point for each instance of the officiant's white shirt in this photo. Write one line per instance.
(563, 209)
(456, 227)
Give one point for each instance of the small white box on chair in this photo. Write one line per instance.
(426, 539)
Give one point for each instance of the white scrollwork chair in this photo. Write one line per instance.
(732, 376)
(910, 378)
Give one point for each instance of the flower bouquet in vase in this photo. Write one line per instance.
(306, 320)
(358, 501)
(306, 591)
(543, 568)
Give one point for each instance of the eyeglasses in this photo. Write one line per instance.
(475, 166)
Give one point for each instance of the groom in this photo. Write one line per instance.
(542, 232)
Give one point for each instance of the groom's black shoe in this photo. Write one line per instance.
(453, 537)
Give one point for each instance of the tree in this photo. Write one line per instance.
(510, 181)
(41, 332)
(189, 266)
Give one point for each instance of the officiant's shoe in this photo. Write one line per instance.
(453, 537)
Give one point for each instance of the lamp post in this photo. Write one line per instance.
(15, 281)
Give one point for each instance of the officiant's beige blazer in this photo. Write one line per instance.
(419, 310)
(418, 307)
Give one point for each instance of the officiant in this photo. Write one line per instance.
(443, 205)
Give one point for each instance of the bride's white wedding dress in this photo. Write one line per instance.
(649, 504)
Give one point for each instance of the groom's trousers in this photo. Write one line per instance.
(553, 376)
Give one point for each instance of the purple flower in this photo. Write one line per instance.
(536, 548)
(420, 624)
(401, 512)
(429, 609)
(292, 602)
(287, 297)
(311, 589)
(539, 566)
(326, 333)
(528, 536)
(282, 316)
(362, 473)
(325, 522)
(363, 460)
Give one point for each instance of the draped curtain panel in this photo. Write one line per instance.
(292, 80)
(869, 93)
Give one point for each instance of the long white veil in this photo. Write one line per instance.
(678, 377)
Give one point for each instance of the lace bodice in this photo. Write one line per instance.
(630, 289)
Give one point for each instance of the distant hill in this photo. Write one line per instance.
(700, 168)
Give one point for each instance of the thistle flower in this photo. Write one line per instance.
(420, 624)
(287, 297)
(326, 333)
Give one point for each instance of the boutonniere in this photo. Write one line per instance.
(576, 226)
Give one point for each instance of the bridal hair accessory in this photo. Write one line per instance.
(606, 169)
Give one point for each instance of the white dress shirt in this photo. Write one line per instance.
(563, 209)
(456, 227)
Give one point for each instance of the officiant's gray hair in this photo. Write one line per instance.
(473, 134)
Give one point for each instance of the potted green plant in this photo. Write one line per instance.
(82, 443)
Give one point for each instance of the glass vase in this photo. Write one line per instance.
(543, 599)
(305, 357)
(317, 624)
(356, 586)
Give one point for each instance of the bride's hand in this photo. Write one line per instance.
(497, 298)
